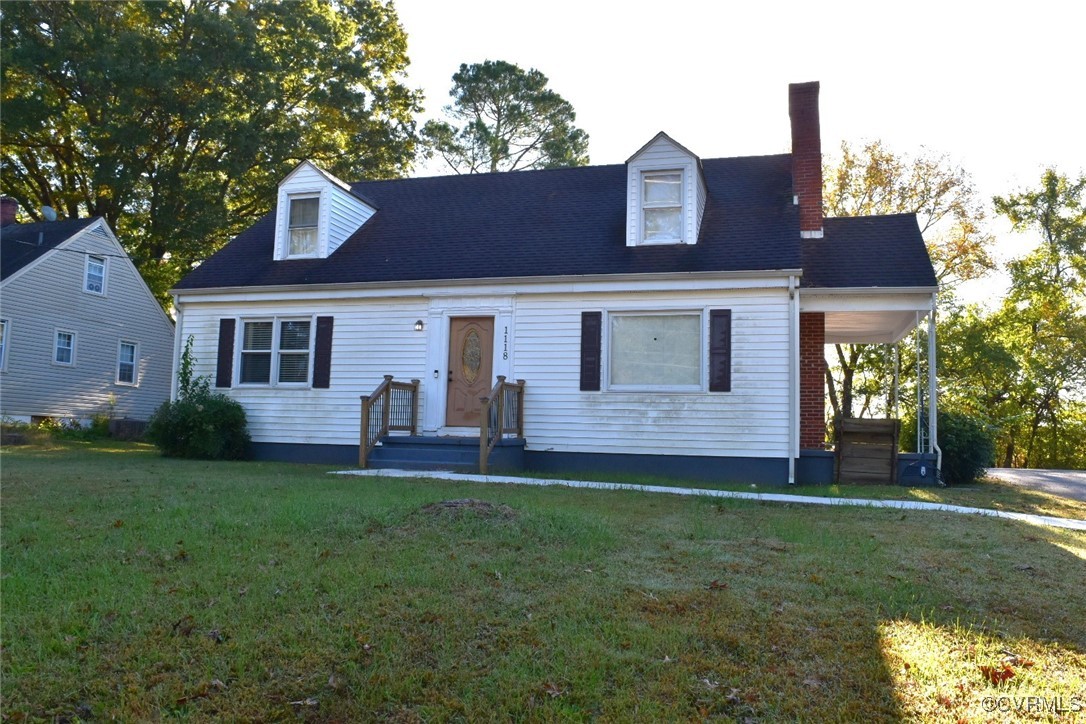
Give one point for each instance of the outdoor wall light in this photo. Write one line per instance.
(418, 326)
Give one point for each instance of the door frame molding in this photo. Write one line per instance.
(442, 310)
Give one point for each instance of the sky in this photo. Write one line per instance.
(998, 88)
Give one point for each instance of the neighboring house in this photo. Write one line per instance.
(80, 333)
(667, 315)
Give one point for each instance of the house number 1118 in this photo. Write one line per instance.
(505, 343)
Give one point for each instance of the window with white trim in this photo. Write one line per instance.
(276, 351)
(127, 371)
(662, 206)
(64, 348)
(302, 225)
(3, 344)
(94, 277)
(655, 351)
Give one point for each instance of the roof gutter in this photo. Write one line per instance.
(782, 274)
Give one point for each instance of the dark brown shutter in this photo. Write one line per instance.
(224, 366)
(322, 355)
(591, 341)
(720, 350)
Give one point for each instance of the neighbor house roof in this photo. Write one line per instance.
(559, 222)
(868, 251)
(22, 244)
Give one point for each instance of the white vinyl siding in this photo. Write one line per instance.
(538, 340)
(371, 339)
(49, 295)
(127, 363)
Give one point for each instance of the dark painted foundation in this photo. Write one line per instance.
(814, 467)
(766, 471)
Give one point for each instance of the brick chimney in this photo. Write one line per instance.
(806, 157)
(8, 208)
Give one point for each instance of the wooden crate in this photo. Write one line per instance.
(867, 451)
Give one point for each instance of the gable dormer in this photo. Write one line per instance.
(316, 212)
(665, 194)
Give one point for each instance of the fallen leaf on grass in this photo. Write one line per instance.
(308, 701)
(716, 585)
(813, 682)
(184, 625)
(551, 689)
(997, 674)
(118, 523)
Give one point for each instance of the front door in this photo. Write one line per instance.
(471, 357)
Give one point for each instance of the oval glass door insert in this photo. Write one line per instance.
(472, 356)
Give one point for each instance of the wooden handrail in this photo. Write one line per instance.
(506, 406)
(397, 406)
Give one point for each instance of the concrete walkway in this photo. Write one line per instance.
(1048, 520)
(1065, 483)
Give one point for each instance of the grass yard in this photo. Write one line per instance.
(139, 588)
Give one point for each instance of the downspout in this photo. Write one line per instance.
(793, 378)
(933, 420)
(176, 347)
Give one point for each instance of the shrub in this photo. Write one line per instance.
(967, 442)
(199, 423)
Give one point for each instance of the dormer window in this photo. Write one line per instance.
(665, 194)
(662, 206)
(304, 215)
(315, 213)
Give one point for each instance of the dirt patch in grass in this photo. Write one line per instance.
(469, 506)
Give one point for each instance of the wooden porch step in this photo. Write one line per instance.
(456, 454)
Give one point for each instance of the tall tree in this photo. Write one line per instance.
(505, 119)
(1042, 322)
(175, 121)
(874, 180)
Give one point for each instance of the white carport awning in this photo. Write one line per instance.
(866, 316)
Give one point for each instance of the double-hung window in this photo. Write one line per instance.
(64, 348)
(94, 278)
(302, 226)
(658, 351)
(127, 354)
(276, 351)
(662, 206)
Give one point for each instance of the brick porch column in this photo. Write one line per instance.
(812, 380)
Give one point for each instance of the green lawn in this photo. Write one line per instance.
(143, 588)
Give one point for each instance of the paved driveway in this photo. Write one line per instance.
(1066, 483)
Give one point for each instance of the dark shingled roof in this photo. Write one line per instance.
(868, 251)
(560, 222)
(19, 243)
(557, 222)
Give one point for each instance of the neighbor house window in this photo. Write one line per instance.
(127, 354)
(656, 351)
(662, 206)
(94, 280)
(302, 226)
(64, 349)
(277, 349)
(3, 344)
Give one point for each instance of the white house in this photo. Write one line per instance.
(667, 315)
(80, 333)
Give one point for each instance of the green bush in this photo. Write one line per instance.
(967, 442)
(199, 423)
